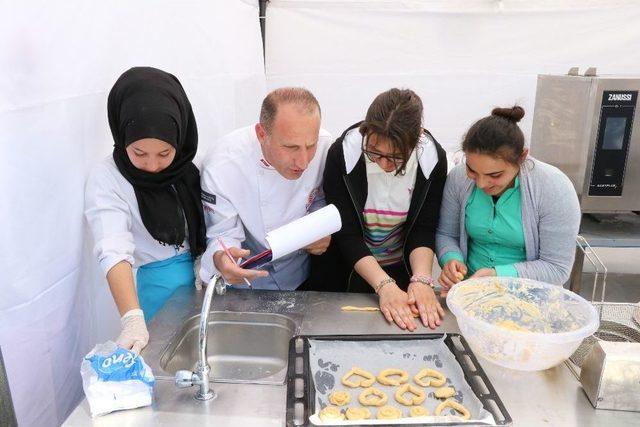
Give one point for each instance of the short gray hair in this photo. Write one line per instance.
(286, 95)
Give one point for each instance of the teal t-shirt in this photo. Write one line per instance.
(496, 236)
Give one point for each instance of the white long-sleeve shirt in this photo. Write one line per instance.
(113, 215)
(244, 198)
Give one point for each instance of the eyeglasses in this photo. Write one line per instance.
(374, 156)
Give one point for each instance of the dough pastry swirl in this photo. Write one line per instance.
(340, 397)
(329, 413)
(445, 392)
(388, 413)
(418, 411)
(355, 413)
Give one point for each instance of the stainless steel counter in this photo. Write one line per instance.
(552, 397)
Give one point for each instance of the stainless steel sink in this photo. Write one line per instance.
(242, 347)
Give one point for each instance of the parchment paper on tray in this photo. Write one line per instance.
(330, 360)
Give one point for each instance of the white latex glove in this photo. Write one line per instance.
(134, 335)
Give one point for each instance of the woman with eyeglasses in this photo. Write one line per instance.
(386, 175)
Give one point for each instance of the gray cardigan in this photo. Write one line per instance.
(550, 220)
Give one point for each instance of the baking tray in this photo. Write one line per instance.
(301, 392)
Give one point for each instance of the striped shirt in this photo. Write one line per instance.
(385, 211)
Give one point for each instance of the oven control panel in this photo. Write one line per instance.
(612, 145)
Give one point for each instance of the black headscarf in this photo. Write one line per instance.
(149, 103)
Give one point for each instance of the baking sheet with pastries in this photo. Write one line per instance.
(331, 360)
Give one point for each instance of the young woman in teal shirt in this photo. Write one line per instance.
(503, 212)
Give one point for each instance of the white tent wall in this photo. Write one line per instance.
(463, 57)
(59, 59)
(57, 63)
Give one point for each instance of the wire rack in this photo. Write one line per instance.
(616, 319)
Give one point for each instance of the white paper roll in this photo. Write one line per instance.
(304, 231)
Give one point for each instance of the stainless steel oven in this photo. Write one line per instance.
(587, 127)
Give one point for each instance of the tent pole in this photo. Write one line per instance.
(262, 17)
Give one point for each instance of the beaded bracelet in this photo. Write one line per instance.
(425, 280)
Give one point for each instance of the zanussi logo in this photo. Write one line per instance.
(619, 97)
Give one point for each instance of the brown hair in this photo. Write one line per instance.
(497, 135)
(396, 115)
(298, 96)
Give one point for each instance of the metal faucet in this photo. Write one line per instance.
(200, 376)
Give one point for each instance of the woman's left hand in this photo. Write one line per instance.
(485, 272)
(424, 301)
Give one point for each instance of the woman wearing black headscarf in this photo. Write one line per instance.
(143, 202)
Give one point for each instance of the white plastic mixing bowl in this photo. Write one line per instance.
(519, 323)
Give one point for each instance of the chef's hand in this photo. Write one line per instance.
(231, 272)
(319, 247)
(485, 272)
(134, 335)
(424, 302)
(452, 273)
(394, 304)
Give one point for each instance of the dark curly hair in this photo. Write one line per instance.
(497, 135)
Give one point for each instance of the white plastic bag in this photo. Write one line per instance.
(114, 378)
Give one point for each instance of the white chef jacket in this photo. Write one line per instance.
(244, 198)
(113, 215)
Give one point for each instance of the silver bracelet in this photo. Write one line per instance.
(384, 282)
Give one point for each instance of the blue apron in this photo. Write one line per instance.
(158, 280)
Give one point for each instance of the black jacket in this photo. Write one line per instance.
(348, 192)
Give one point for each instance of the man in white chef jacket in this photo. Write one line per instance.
(258, 178)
